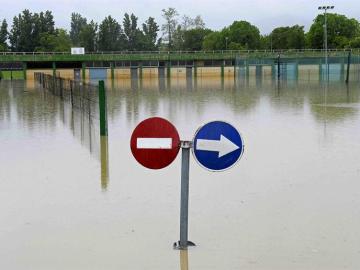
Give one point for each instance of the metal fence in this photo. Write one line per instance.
(84, 111)
(81, 96)
(344, 67)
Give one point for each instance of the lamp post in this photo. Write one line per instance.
(226, 42)
(325, 8)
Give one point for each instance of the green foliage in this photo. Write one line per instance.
(135, 39)
(239, 35)
(111, 35)
(59, 41)
(150, 30)
(288, 37)
(170, 25)
(189, 30)
(88, 36)
(355, 43)
(3, 36)
(340, 29)
(244, 34)
(27, 29)
(194, 38)
(36, 31)
(77, 24)
(213, 41)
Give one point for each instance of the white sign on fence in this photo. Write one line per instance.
(79, 50)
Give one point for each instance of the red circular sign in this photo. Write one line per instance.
(155, 143)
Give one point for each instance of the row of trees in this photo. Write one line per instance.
(37, 32)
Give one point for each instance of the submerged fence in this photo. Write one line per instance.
(83, 111)
(88, 98)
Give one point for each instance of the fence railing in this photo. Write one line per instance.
(85, 97)
(283, 51)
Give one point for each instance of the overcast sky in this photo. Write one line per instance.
(266, 15)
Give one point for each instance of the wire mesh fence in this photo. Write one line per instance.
(81, 96)
(84, 111)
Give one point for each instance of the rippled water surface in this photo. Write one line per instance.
(70, 200)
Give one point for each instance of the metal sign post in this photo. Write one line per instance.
(184, 205)
(216, 146)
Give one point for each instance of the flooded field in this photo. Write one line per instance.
(71, 200)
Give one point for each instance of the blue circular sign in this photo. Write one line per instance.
(217, 146)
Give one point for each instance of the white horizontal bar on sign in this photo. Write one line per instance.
(154, 143)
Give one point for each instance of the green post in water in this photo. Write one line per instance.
(222, 69)
(24, 70)
(168, 69)
(103, 109)
(342, 69)
(348, 67)
(297, 70)
(140, 70)
(195, 69)
(112, 64)
(83, 71)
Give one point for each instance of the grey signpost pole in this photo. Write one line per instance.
(184, 207)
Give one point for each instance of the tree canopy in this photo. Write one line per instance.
(37, 32)
(340, 29)
(288, 37)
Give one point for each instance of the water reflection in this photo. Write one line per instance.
(28, 106)
(32, 108)
(334, 103)
(83, 125)
(104, 159)
(235, 96)
(283, 124)
(184, 260)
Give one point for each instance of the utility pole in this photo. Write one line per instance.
(325, 8)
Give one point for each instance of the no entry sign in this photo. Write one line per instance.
(155, 143)
(216, 146)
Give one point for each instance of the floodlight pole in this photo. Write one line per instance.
(325, 8)
(326, 48)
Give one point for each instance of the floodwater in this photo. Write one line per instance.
(69, 200)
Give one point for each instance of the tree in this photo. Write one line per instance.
(187, 23)
(180, 35)
(355, 43)
(243, 34)
(88, 36)
(45, 22)
(3, 36)
(198, 22)
(239, 35)
(134, 37)
(288, 37)
(194, 38)
(150, 30)
(170, 25)
(21, 37)
(58, 41)
(27, 29)
(111, 35)
(213, 41)
(340, 29)
(77, 23)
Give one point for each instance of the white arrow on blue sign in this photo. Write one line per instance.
(217, 146)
